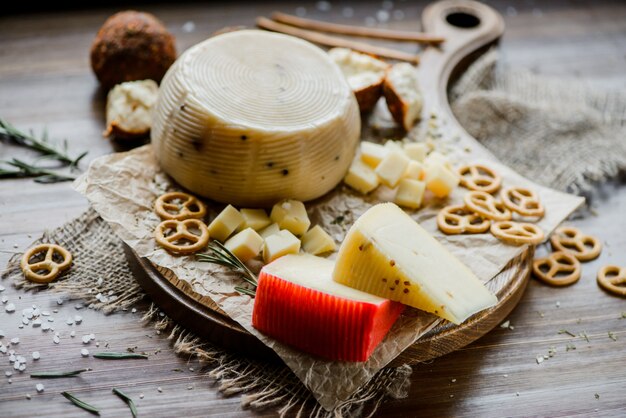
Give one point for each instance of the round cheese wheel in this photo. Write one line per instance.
(253, 117)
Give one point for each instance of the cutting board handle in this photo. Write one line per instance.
(469, 28)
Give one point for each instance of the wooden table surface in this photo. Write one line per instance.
(45, 81)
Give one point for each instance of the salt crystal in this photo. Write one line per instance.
(1, 288)
(516, 393)
(99, 282)
(37, 323)
(453, 380)
(10, 381)
(59, 301)
(5, 299)
(505, 324)
(134, 310)
(558, 304)
(21, 326)
(78, 319)
(39, 387)
(57, 334)
(45, 313)
(56, 340)
(160, 389)
(25, 321)
(97, 343)
(92, 336)
(36, 311)
(50, 319)
(505, 375)
(1, 334)
(141, 396)
(8, 374)
(189, 387)
(10, 308)
(539, 359)
(86, 339)
(55, 311)
(382, 16)
(45, 327)
(22, 367)
(15, 341)
(73, 334)
(16, 365)
(84, 352)
(79, 307)
(36, 355)
(28, 396)
(21, 359)
(3, 349)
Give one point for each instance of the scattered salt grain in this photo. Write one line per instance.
(39, 387)
(505, 375)
(8, 374)
(45, 313)
(37, 323)
(189, 387)
(10, 308)
(73, 334)
(20, 359)
(97, 343)
(12, 358)
(558, 304)
(539, 359)
(16, 365)
(84, 352)
(505, 324)
(5, 299)
(160, 389)
(50, 319)
(69, 321)
(191, 369)
(59, 301)
(28, 396)
(141, 396)
(55, 311)
(56, 340)
(45, 327)
(2, 288)
(15, 341)
(1, 334)
(92, 336)
(134, 310)
(78, 319)
(3, 349)
(79, 307)
(36, 355)
(453, 380)
(10, 381)
(516, 393)
(86, 339)
(25, 321)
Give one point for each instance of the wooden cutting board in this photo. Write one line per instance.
(469, 28)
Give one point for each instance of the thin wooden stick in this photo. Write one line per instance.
(333, 41)
(395, 35)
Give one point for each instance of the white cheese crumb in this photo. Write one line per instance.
(39, 387)
(36, 355)
(84, 352)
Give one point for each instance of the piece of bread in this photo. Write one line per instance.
(403, 95)
(365, 75)
(131, 46)
(129, 108)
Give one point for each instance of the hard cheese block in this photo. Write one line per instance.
(387, 254)
(252, 117)
(299, 304)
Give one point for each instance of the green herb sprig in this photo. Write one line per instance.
(119, 356)
(218, 254)
(81, 404)
(45, 148)
(57, 375)
(21, 169)
(128, 400)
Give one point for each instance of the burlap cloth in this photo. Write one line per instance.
(558, 133)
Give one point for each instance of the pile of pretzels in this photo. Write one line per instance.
(182, 230)
(482, 212)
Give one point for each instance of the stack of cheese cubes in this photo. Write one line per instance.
(409, 168)
(283, 232)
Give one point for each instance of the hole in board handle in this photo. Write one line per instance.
(463, 20)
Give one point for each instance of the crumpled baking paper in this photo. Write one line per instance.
(123, 187)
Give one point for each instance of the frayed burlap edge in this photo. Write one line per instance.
(101, 277)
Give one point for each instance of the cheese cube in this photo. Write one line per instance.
(291, 215)
(388, 254)
(269, 230)
(439, 179)
(277, 245)
(256, 219)
(413, 170)
(361, 177)
(392, 145)
(372, 154)
(245, 245)
(392, 168)
(437, 157)
(317, 241)
(225, 223)
(410, 193)
(416, 151)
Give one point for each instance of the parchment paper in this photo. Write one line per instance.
(122, 188)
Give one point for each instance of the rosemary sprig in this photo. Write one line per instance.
(119, 356)
(128, 400)
(81, 404)
(218, 254)
(17, 137)
(42, 175)
(56, 375)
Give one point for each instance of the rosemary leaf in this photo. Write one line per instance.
(81, 404)
(218, 254)
(56, 375)
(564, 331)
(17, 137)
(128, 400)
(23, 169)
(119, 356)
(245, 291)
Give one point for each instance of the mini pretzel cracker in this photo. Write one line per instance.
(52, 267)
(517, 232)
(457, 219)
(569, 239)
(175, 243)
(486, 205)
(522, 200)
(550, 269)
(480, 178)
(188, 208)
(611, 277)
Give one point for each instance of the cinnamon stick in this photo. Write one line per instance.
(395, 35)
(333, 41)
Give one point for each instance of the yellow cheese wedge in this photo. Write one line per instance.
(291, 215)
(279, 244)
(269, 230)
(252, 117)
(416, 151)
(392, 168)
(372, 154)
(225, 223)
(387, 254)
(256, 219)
(361, 177)
(410, 193)
(317, 241)
(245, 245)
(440, 179)
(413, 170)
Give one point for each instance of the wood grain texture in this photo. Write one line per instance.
(45, 80)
